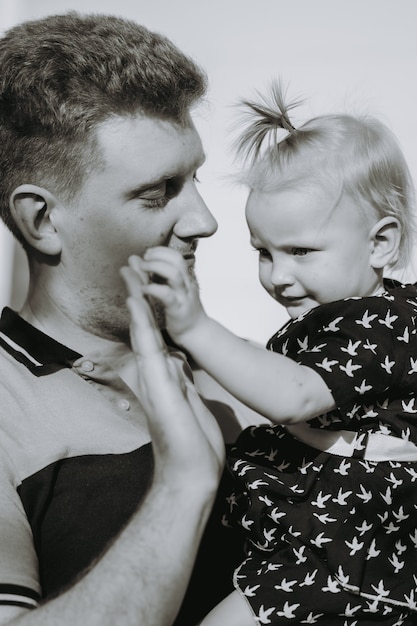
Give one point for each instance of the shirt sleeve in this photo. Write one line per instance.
(19, 581)
(360, 347)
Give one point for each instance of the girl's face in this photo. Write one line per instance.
(311, 251)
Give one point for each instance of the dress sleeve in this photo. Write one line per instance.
(19, 581)
(360, 347)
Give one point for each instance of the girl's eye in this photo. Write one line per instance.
(300, 251)
(263, 253)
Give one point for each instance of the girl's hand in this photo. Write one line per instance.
(167, 278)
(187, 442)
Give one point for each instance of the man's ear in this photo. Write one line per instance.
(385, 240)
(31, 207)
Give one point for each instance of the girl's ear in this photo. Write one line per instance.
(385, 238)
(31, 207)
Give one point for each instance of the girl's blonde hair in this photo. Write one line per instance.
(357, 155)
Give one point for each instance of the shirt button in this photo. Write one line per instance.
(124, 404)
(87, 366)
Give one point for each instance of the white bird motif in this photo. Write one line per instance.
(263, 615)
(333, 326)
(273, 477)
(326, 364)
(343, 468)
(408, 407)
(387, 496)
(303, 343)
(396, 563)
(412, 472)
(352, 348)
(405, 337)
(288, 610)
(363, 388)
(269, 534)
(311, 618)
(380, 590)
(245, 469)
(257, 483)
(413, 363)
(388, 320)
(321, 499)
(320, 540)
(309, 579)
(413, 537)
(272, 567)
(363, 528)
(351, 610)
(318, 348)
(325, 518)
(396, 482)
(369, 411)
(349, 368)
(400, 547)
(266, 500)
(410, 600)
(391, 528)
(344, 580)
(246, 523)
(271, 456)
(249, 592)
(237, 464)
(366, 320)
(387, 365)
(276, 514)
(304, 466)
(355, 545)
(300, 555)
(368, 467)
(366, 496)
(370, 346)
(372, 551)
(342, 497)
(286, 585)
(256, 453)
(332, 585)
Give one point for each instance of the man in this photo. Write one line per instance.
(98, 161)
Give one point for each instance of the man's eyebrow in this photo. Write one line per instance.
(136, 192)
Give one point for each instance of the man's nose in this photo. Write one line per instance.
(196, 220)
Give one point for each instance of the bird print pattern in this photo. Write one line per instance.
(332, 540)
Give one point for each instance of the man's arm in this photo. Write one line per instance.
(142, 577)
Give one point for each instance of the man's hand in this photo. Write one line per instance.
(186, 439)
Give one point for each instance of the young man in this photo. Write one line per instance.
(98, 161)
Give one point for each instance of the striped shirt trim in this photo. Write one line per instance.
(18, 348)
(17, 595)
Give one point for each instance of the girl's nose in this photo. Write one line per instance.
(281, 276)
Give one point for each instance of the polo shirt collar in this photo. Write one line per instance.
(30, 346)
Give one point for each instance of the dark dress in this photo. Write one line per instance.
(332, 540)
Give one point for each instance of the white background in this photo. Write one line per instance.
(345, 55)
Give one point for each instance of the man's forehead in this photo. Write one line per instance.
(149, 140)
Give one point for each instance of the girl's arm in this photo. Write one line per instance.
(269, 383)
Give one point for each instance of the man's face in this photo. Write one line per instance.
(143, 195)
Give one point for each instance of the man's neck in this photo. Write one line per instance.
(61, 327)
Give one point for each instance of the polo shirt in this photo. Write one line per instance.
(74, 465)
